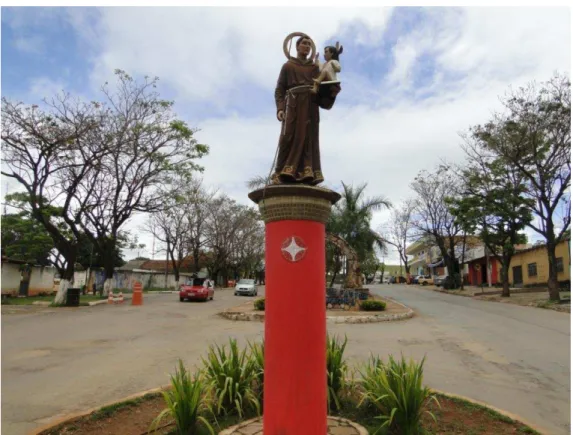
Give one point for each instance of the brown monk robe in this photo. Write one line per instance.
(298, 159)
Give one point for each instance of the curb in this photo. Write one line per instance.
(104, 301)
(230, 430)
(499, 411)
(372, 318)
(57, 420)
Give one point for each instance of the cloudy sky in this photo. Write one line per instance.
(412, 78)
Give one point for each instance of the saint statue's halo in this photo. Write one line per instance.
(287, 43)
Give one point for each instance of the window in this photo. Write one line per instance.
(559, 264)
(532, 269)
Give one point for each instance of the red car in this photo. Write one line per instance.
(196, 289)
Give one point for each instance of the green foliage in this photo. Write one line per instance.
(336, 370)
(395, 389)
(351, 216)
(372, 305)
(185, 403)
(231, 374)
(258, 358)
(88, 254)
(370, 265)
(24, 238)
(259, 304)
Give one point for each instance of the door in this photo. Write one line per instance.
(517, 275)
(24, 282)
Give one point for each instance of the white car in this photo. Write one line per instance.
(246, 287)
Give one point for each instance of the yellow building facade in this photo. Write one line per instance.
(531, 266)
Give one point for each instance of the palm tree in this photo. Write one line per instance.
(351, 219)
(257, 182)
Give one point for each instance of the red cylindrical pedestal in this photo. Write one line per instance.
(295, 330)
(295, 308)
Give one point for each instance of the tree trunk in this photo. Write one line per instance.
(505, 276)
(463, 260)
(66, 279)
(107, 286)
(333, 278)
(108, 269)
(196, 259)
(552, 282)
(65, 284)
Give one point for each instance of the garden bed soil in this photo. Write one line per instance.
(454, 416)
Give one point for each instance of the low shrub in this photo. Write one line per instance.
(231, 375)
(336, 369)
(259, 304)
(258, 358)
(395, 388)
(185, 403)
(372, 305)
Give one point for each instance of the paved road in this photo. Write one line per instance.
(57, 362)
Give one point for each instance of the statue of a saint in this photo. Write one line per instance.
(298, 159)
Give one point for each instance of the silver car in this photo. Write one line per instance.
(246, 287)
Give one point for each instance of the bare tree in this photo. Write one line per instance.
(50, 153)
(150, 150)
(198, 200)
(227, 224)
(534, 136)
(398, 231)
(432, 218)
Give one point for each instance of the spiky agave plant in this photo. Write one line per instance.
(258, 359)
(336, 370)
(396, 389)
(186, 402)
(231, 374)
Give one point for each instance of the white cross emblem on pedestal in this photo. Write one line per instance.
(294, 247)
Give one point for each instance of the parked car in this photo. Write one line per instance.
(439, 280)
(246, 287)
(196, 289)
(426, 280)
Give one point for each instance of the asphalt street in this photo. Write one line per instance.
(60, 361)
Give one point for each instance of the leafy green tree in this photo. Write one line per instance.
(351, 217)
(89, 256)
(370, 266)
(24, 238)
(533, 135)
(493, 205)
(98, 162)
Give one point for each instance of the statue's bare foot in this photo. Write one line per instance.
(314, 88)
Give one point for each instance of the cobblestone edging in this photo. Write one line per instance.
(369, 318)
(336, 426)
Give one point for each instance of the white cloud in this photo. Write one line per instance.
(206, 52)
(389, 134)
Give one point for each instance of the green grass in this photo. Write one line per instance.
(31, 299)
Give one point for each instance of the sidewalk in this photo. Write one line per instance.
(537, 299)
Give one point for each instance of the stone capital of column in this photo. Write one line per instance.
(294, 202)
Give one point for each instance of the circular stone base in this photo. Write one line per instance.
(336, 426)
